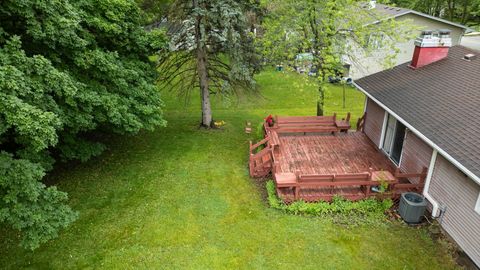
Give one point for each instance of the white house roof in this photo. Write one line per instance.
(398, 12)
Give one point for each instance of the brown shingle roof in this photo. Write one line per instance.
(440, 100)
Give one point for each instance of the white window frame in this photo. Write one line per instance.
(477, 205)
(384, 129)
(390, 147)
(382, 139)
(374, 40)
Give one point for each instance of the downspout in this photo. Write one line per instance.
(427, 184)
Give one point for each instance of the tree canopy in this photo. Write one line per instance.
(211, 49)
(68, 69)
(154, 10)
(333, 31)
(463, 11)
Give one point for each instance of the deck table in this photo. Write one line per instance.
(384, 176)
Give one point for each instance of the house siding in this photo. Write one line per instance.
(415, 156)
(366, 65)
(472, 41)
(459, 194)
(374, 121)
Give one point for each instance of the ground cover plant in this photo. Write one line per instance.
(340, 209)
(181, 198)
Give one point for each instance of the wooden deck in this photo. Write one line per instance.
(313, 159)
(316, 154)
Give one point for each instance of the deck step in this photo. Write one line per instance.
(261, 163)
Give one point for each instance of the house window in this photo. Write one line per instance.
(375, 40)
(394, 136)
(477, 206)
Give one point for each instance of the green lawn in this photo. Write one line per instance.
(181, 198)
(282, 94)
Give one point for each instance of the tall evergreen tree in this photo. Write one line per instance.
(211, 49)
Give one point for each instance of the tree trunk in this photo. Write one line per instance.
(320, 102)
(451, 8)
(465, 11)
(202, 68)
(319, 108)
(204, 90)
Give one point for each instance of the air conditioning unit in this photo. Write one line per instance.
(412, 207)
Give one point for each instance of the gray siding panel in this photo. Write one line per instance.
(415, 156)
(369, 64)
(374, 121)
(451, 188)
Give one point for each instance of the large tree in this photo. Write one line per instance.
(211, 49)
(67, 70)
(334, 31)
(154, 10)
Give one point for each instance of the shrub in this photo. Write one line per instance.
(339, 208)
(273, 200)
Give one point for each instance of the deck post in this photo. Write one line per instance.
(367, 191)
(361, 122)
(334, 122)
(250, 162)
(397, 172)
(297, 187)
(274, 167)
(368, 187)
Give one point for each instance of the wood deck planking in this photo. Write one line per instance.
(314, 163)
(317, 154)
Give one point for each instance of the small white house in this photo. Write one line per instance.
(371, 64)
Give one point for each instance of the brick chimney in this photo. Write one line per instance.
(430, 47)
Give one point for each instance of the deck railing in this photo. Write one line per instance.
(261, 158)
(296, 186)
(351, 186)
(309, 124)
(408, 185)
(361, 122)
(262, 154)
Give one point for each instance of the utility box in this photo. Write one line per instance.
(412, 207)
